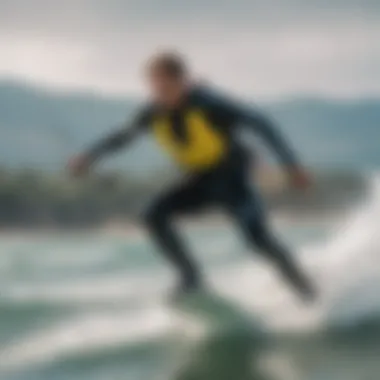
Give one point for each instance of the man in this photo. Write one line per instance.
(198, 129)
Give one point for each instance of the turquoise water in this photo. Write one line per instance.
(95, 306)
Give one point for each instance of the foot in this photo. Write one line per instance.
(308, 293)
(298, 280)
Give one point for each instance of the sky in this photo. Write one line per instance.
(262, 48)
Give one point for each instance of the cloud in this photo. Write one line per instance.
(263, 48)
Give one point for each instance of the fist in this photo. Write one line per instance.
(79, 166)
(300, 179)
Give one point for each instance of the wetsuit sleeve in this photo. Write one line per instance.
(120, 138)
(270, 133)
(235, 113)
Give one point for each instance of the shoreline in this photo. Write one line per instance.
(129, 228)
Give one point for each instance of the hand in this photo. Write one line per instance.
(79, 166)
(300, 179)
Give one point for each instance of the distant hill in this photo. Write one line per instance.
(39, 128)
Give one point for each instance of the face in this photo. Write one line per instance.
(164, 89)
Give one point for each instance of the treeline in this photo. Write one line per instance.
(36, 199)
(33, 199)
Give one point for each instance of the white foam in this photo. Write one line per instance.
(337, 266)
(94, 290)
(351, 256)
(87, 334)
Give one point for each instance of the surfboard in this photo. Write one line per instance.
(215, 310)
(230, 342)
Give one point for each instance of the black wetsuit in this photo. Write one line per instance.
(201, 135)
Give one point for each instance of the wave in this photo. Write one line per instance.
(346, 267)
(87, 334)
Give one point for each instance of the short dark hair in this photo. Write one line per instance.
(169, 63)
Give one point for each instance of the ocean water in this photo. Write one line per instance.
(95, 306)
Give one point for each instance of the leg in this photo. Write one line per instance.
(247, 210)
(158, 219)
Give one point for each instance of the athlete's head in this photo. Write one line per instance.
(168, 78)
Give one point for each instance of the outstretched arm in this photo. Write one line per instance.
(81, 164)
(273, 137)
(237, 113)
(113, 142)
(299, 177)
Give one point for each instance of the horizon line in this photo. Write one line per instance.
(96, 92)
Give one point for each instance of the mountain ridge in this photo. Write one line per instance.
(40, 127)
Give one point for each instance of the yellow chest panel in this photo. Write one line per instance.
(205, 146)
